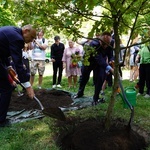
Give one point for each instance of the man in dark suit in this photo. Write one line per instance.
(12, 41)
(98, 64)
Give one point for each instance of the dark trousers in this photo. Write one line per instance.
(5, 97)
(57, 67)
(109, 79)
(99, 78)
(98, 75)
(144, 78)
(86, 70)
(80, 78)
(5, 92)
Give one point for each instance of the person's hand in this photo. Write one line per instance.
(30, 92)
(52, 60)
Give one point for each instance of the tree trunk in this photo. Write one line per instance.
(116, 77)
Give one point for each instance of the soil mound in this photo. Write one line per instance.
(49, 98)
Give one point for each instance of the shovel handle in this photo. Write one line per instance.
(34, 97)
(39, 102)
(14, 76)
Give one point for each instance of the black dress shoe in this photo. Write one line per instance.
(77, 96)
(101, 100)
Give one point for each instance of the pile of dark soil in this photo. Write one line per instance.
(76, 134)
(48, 98)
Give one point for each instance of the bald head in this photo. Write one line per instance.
(29, 33)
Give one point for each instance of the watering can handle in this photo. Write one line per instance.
(130, 88)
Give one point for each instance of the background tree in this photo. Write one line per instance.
(6, 16)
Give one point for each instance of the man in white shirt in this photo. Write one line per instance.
(38, 58)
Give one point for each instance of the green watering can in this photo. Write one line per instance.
(130, 93)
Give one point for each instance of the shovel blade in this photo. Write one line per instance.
(54, 112)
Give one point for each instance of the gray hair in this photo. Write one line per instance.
(28, 26)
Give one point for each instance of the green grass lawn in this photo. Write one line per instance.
(38, 134)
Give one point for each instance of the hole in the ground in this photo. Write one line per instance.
(90, 135)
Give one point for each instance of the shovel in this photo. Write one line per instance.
(54, 112)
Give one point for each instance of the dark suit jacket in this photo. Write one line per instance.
(11, 44)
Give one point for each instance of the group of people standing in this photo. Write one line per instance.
(61, 58)
(140, 68)
(65, 58)
(70, 58)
